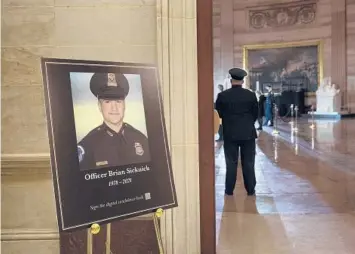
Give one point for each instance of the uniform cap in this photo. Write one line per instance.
(109, 85)
(237, 73)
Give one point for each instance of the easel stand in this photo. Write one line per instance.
(156, 216)
(95, 229)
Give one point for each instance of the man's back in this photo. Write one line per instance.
(238, 108)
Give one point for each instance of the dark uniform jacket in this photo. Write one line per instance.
(103, 147)
(238, 108)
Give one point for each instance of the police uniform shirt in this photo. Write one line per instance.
(103, 147)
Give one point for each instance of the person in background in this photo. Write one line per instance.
(269, 104)
(220, 88)
(220, 129)
(238, 109)
(261, 112)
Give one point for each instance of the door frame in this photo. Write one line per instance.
(204, 10)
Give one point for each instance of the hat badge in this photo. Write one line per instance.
(81, 153)
(111, 79)
(139, 149)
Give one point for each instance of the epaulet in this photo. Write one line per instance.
(131, 128)
(95, 130)
(128, 126)
(92, 132)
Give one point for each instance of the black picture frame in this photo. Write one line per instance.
(79, 202)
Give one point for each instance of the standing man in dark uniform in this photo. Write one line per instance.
(220, 129)
(114, 142)
(269, 107)
(261, 113)
(238, 108)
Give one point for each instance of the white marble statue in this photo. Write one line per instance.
(328, 97)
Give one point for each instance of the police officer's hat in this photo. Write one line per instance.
(237, 73)
(109, 85)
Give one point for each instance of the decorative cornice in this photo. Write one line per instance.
(25, 163)
(28, 234)
(283, 15)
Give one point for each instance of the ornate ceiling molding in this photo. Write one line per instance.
(283, 15)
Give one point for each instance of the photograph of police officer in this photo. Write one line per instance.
(111, 140)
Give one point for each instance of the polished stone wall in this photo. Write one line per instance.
(350, 38)
(241, 33)
(333, 25)
(112, 30)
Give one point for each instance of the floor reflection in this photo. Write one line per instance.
(332, 141)
(303, 204)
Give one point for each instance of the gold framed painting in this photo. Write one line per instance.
(288, 66)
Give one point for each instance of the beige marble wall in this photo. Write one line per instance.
(65, 29)
(163, 32)
(77, 29)
(177, 57)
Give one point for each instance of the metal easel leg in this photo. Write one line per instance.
(156, 217)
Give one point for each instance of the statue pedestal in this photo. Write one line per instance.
(327, 104)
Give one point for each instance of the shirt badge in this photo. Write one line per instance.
(139, 149)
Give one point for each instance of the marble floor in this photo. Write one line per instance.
(305, 194)
(330, 140)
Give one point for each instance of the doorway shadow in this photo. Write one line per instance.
(242, 227)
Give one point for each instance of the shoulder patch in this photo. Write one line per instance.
(81, 153)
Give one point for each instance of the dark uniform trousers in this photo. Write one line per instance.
(247, 153)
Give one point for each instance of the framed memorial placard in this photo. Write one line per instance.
(109, 150)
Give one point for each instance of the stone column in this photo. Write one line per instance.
(338, 48)
(227, 35)
(177, 58)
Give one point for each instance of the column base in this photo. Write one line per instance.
(331, 115)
